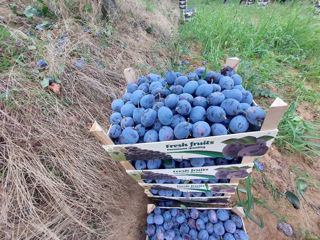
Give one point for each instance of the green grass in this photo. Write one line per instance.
(7, 49)
(150, 5)
(279, 49)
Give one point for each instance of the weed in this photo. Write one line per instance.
(248, 204)
(149, 4)
(8, 49)
(299, 135)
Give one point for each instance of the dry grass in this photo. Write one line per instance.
(56, 182)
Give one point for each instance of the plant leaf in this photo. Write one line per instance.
(204, 153)
(31, 11)
(45, 82)
(293, 199)
(183, 207)
(265, 138)
(32, 47)
(301, 187)
(199, 175)
(4, 94)
(244, 141)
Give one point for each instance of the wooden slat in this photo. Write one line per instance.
(274, 114)
(150, 208)
(130, 75)
(233, 62)
(97, 131)
(234, 180)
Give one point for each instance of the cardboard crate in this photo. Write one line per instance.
(237, 171)
(183, 4)
(211, 146)
(188, 14)
(227, 189)
(237, 211)
(213, 201)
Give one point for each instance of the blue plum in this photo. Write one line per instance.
(126, 122)
(200, 101)
(192, 76)
(148, 117)
(237, 220)
(136, 115)
(197, 114)
(147, 101)
(201, 129)
(176, 119)
(127, 109)
(229, 226)
(238, 124)
(215, 99)
(203, 235)
(233, 93)
(218, 129)
(136, 96)
(166, 134)
(186, 96)
(255, 116)
(216, 114)
(176, 89)
(212, 215)
(247, 97)
(171, 101)
(190, 87)
(165, 116)
(181, 80)
(129, 136)
(231, 106)
(228, 236)
(204, 90)
(154, 164)
(150, 218)
(226, 82)
(237, 79)
(140, 165)
(170, 77)
(117, 104)
(183, 107)
(115, 131)
(223, 214)
(240, 235)
(151, 136)
(197, 162)
(115, 118)
(218, 228)
(131, 87)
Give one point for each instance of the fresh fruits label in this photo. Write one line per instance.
(215, 172)
(204, 188)
(212, 200)
(235, 145)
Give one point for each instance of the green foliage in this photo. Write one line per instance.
(8, 50)
(41, 9)
(293, 199)
(268, 48)
(278, 47)
(298, 135)
(149, 4)
(248, 204)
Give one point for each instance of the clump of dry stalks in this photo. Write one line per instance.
(56, 182)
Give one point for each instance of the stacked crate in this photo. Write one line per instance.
(194, 148)
(183, 4)
(236, 211)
